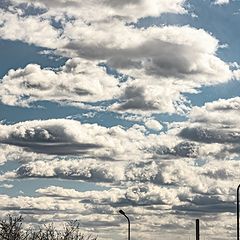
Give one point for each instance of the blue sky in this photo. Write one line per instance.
(136, 107)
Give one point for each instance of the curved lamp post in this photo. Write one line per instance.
(238, 189)
(123, 213)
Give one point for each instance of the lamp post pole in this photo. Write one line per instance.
(238, 189)
(123, 213)
(197, 230)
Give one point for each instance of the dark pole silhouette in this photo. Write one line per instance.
(197, 230)
(238, 188)
(123, 213)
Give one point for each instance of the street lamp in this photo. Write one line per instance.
(238, 189)
(123, 213)
(197, 230)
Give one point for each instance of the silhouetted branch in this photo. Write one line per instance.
(11, 229)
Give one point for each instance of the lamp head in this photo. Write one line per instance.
(122, 212)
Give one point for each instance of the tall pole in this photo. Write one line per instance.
(238, 188)
(197, 230)
(123, 213)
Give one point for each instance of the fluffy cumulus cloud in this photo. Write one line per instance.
(163, 62)
(87, 170)
(71, 137)
(172, 173)
(153, 124)
(33, 140)
(156, 50)
(143, 194)
(72, 83)
(91, 143)
(127, 10)
(215, 122)
(215, 126)
(29, 29)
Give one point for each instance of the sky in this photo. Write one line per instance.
(121, 104)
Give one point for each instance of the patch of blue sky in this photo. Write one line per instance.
(49, 110)
(30, 10)
(212, 93)
(46, 110)
(200, 162)
(58, 23)
(27, 9)
(29, 186)
(126, 120)
(113, 72)
(4, 4)
(106, 119)
(9, 166)
(16, 54)
(165, 117)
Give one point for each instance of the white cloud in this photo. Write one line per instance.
(70, 137)
(13, 153)
(213, 177)
(30, 29)
(78, 80)
(146, 194)
(41, 139)
(153, 124)
(87, 170)
(128, 10)
(168, 51)
(223, 112)
(8, 186)
(236, 73)
(164, 62)
(221, 2)
(216, 126)
(142, 187)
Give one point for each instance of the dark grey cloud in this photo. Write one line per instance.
(205, 135)
(222, 174)
(4, 4)
(116, 3)
(56, 148)
(183, 149)
(186, 149)
(206, 209)
(133, 98)
(52, 139)
(155, 56)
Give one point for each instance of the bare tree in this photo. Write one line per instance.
(12, 229)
